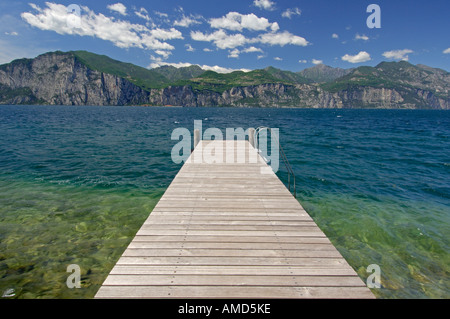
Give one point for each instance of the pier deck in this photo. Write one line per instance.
(227, 230)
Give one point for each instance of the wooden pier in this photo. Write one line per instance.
(230, 230)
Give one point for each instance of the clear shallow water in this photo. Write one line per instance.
(76, 183)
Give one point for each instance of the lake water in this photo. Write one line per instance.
(76, 183)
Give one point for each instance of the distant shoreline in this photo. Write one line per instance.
(234, 107)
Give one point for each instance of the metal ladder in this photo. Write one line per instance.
(283, 156)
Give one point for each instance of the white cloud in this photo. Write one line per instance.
(215, 68)
(361, 37)
(164, 34)
(335, 36)
(289, 13)
(234, 53)
(143, 14)
(207, 50)
(398, 54)
(118, 7)
(189, 48)
(362, 56)
(281, 38)
(446, 51)
(161, 14)
(35, 7)
(264, 4)
(163, 54)
(277, 58)
(221, 39)
(314, 61)
(302, 61)
(220, 69)
(252, 49)
(187, 21)
(13, 33)
(237, 22)
(122, 34)
(225, 41)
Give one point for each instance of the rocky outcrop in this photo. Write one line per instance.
(60, 79)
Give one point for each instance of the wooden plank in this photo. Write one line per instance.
(231, 239)
(231, 270)
(226, 292)
(230, 227)
(227, 245)
(233, 261)
(229, 233)
(167, 217)
(199, 252)
(227, 221)
(230, 230)
(203, 211)
(233, 280)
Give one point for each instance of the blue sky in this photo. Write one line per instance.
(233, 34)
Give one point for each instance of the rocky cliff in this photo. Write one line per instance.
(60, 79)
(63, 79)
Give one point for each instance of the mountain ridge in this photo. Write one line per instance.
(85, 78)
(324, 73)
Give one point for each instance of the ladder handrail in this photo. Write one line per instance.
(289, 169)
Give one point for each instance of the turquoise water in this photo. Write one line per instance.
(76, 183)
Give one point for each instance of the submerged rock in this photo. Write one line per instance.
(9, 293)
(81, 227)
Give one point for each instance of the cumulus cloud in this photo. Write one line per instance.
(446, 51)
(316, 62)
(143, 14)
(362, 56)
(165, 34)
(164, 54)
(225, 41)
(215, 68)
(252, 49)
(119, 8)
(187, 21)
(398, 54)
(122, 34)
(189, 47)
(264, 4)
(361, 37)
(282, 39)
(302, 61)
(234, 53)
(289, 13)
(235, 21)
(221, 39)
(161, 14)
(335, 36)
(277, 58)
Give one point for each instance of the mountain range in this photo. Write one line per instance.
(85, 78)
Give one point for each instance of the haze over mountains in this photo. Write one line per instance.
(84, 78)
